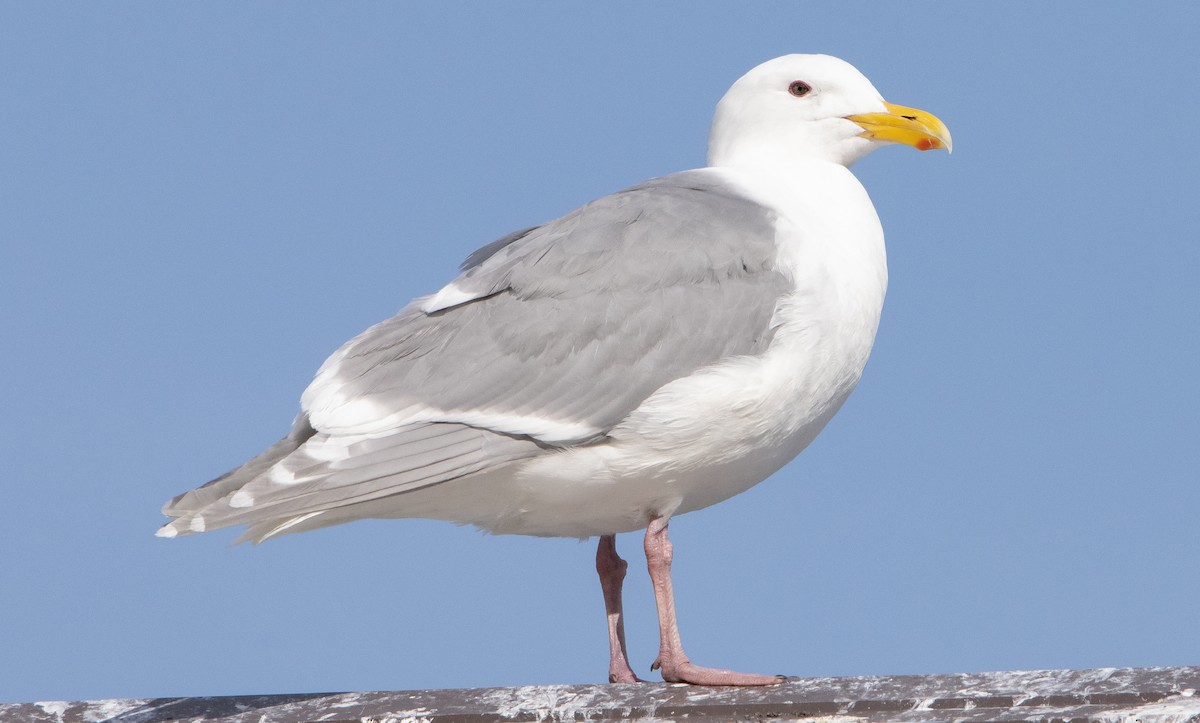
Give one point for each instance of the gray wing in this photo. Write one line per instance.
(560, 331)
(550, 337)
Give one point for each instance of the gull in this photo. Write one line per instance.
(651, 353)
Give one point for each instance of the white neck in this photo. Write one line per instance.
(827, 228)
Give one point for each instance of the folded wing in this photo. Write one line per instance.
(547, 339)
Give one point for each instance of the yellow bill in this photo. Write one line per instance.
(912, 127)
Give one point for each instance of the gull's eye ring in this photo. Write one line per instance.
(799, 88)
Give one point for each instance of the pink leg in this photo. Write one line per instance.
(612, 573)
(676, 668)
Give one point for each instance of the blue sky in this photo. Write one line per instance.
(199, 202)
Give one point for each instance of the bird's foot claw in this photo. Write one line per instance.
(620, 672)
(625, 676)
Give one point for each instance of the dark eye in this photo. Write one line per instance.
(799, 88)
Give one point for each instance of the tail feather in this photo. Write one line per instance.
(184, 505)
(310, 479)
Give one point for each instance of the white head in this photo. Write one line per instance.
(812, 107)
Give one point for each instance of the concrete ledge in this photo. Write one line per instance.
(1116, 695)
